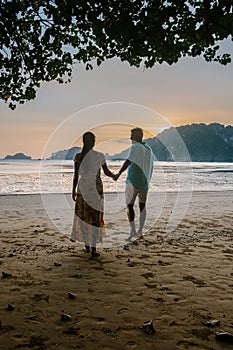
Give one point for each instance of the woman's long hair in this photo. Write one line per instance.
(88, 143)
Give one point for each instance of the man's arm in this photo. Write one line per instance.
(152, 168)
(122, 169)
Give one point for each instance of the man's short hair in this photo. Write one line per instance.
(137, 132)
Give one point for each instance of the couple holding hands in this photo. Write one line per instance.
(88, 224)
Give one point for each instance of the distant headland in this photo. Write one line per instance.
(18, 156)
(201, 142)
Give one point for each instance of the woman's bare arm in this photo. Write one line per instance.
(107, 172)
(75, 180)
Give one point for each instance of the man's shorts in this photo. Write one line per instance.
(131, 193)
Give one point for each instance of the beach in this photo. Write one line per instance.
(55, 296)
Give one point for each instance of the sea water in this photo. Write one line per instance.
(173, 183)
(53, 176)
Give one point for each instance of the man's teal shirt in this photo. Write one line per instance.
(141, 166)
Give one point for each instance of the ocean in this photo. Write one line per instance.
(50, 176)
(171, 190)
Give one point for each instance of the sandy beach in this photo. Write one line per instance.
(182, 280)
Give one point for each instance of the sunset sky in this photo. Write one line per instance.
(112, 99)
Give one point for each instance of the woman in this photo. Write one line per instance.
(88, 225)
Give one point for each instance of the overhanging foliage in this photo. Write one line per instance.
(42, 40)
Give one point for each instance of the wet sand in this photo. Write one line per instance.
(180, 279)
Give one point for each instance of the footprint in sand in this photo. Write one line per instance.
(40, 296)
(195, 280)
(122, 310)
(111, 274)
(151, 285)
(163, 263)
(99, 319)
(6, 328)
(184, 344)
(131, 343)
(228, 251)
(148, 275)
(144, 256)
(201, 333)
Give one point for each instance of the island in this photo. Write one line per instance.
(18, 156)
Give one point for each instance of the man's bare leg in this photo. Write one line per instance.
(131, 216)
(142, 219)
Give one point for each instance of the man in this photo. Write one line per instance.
(140, 166)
